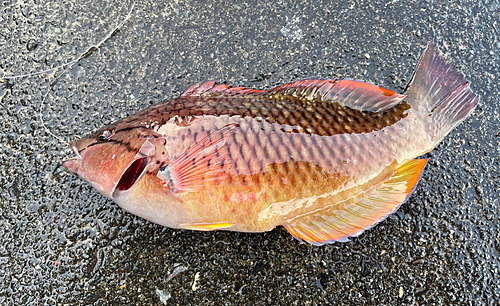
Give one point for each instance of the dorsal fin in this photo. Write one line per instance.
(354, 94)
(208, 88)
(363, 96)
(355, 215)
(306, 88)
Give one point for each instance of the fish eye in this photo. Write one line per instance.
(105, 136)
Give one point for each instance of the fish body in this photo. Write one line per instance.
(327, 159)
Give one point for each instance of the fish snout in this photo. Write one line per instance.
(69, 164)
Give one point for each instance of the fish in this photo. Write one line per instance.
(325, 159)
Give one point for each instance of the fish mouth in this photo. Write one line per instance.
(131, 175)
(68, 163)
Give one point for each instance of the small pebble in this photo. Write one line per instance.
(31, 44)
(26, 11)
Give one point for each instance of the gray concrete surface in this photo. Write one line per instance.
(61, 243)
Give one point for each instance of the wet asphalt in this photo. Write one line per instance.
(61, 243)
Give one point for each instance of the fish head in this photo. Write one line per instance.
(112, 159)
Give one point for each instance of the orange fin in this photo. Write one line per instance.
(363, 96)
(207, 226)
(355, 94)
(299, 88)
(203, 161)
(352, 217)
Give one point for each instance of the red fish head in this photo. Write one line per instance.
(111, 160)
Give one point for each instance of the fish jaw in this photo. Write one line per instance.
(108, 166)
(69, 163)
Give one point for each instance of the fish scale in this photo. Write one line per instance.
(301, 179)
(326, 159)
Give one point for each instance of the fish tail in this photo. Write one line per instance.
(440, 93)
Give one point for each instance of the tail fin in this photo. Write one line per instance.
(440, 93)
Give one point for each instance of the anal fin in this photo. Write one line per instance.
(350, 218)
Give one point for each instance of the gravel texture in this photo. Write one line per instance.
(61, 243)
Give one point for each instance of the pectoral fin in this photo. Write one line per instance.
(355, 215)
(204, 161)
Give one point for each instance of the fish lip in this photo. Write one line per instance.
(68, 163)
(131, 176)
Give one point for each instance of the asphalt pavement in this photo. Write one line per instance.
(93, 62)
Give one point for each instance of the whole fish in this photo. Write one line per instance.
(326, 159)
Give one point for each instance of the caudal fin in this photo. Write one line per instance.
(440, 93)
